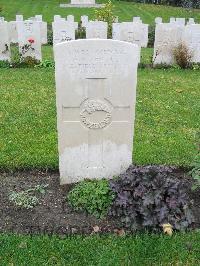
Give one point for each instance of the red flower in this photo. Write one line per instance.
(31, 40)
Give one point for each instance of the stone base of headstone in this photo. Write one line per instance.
(82, 5)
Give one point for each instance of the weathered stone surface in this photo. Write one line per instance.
(4, 42)
(12, 28)
(63, 31)
(192, 40)
(19, 18)
(84, 21)
(158, 20)
(137, 19)
(96, 29)
(96, 94)
(180, 21)
(133, 32)
(43, 28)
(191, 21)
(70, 19)
(82, 2)
(116, 30)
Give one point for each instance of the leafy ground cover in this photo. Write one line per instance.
(125, 10)
(181, 249)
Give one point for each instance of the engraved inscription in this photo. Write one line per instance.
(92, 106)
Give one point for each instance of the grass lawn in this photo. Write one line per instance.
(138, 250)
(125, 10)
(167, 117)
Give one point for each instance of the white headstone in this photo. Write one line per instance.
(116, 30)
(19, 18)
(191, 21)
(167, 37)
(158, 20)
(137, 19)
(4, 42)
(38, 18)
(29, 35)
(63, 31)
(116, 19)
(12, 28)
(145, 34)
(70, 19)
(180, 21)
(96, 95)
(56, 18)
(134, 32)
(172, 20)
(84, 21)
(192, 40)
(83, 2)
(96, 29)
(43, 28)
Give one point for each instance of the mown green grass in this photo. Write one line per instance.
(167, 118)
(125, 10)
(138, 250)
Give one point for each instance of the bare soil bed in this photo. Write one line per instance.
(53, 215)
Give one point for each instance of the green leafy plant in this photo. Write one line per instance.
(38, 189)
(182, 56)
(46, 64)
(149, 197)
(151, 36)
(27, 199)
(106, 13)
(94, 197)
(4, 64)
(195, 66)
(80, 32)
(23, 199)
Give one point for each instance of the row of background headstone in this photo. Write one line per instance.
(167, 35)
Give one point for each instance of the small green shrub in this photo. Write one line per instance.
(46, 64)
(92, 196)
(106, 13)
(80, 32)
(23, 199)
(27, 199)
(195, 66)
(4, 64)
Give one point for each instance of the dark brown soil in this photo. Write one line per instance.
(53, 215)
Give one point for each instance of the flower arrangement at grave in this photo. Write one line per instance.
(27, 47)
(25, 56)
